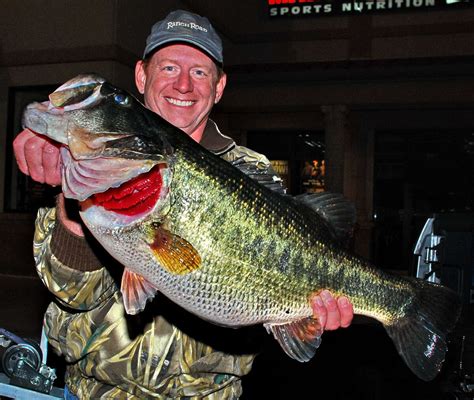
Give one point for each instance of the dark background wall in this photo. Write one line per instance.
(390, 94)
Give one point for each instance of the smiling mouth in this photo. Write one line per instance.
(180, 103)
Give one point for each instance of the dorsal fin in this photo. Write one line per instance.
(337, 210)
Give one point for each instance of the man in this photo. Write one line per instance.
(112, 355)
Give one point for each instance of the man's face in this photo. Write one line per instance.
(180, 84)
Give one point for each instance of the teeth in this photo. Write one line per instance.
(180, 103)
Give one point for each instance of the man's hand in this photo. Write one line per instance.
(69, 218)
(38, 157)
(332, 313)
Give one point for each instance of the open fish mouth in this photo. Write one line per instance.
(119, 170)
(81, 179)
(124, 206)
(135, 197)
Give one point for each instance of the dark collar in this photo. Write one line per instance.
(214, 140)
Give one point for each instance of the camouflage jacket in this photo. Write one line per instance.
(112, 355)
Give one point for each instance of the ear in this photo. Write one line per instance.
(220, 88)
(140, 76)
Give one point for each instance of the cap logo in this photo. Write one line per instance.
(190, 25)
(185, 27)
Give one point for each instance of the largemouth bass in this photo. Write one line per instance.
(217, 242)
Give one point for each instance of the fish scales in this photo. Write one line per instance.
(217, 242)
(250, 219)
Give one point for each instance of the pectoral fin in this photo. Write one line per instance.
(174, 253)
(136, 291)
(299, 339)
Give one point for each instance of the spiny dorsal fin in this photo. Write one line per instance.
(337, 210)
(174, 253)
(299, 339)
(136, 291)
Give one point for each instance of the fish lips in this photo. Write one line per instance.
(50, 121)
(93, 162)
(46, 120)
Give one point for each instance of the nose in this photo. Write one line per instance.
(183, 82)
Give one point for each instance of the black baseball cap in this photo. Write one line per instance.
(186, 27)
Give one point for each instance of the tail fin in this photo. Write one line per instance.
(420, 336)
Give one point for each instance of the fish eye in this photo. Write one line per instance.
(121, 99)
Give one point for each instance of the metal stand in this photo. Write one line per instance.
(20, 393)
(26, 374)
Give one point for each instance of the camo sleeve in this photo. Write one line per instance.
(106, 361)
(256, 166)
(78, 288)
(250, 156)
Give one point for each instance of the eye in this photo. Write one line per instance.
(121, 99)
(200, 73)
(168, 69)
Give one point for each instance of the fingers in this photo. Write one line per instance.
(51, 163)
(346, 311)
(34, 158)
(69, 220)
(333, 316)
(19, 149)
(38, 157)
(332, 313)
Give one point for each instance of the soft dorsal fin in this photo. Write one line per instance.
(136, 291)
(174, 253)
(337, 210)
(299, 339)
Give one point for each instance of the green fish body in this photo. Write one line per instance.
(215, 241)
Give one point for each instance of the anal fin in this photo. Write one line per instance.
(136, 291)
(299, 339)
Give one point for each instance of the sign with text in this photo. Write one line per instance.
(305, 8)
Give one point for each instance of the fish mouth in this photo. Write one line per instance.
(46, 118)
(116, 174)
(135, 198)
